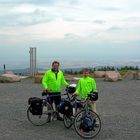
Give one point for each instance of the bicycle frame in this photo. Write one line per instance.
(48, 100)
(84, 105)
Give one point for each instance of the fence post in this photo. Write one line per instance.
(4, 68)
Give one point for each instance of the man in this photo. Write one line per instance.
(52, 82)
(86, 85)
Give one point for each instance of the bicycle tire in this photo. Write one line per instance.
(40, 120)
(85, 134)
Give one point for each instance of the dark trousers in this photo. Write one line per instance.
(56, 98)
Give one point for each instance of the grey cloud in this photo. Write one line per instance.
(132, 19)
(114, 28)
(49, 2)
(38, 16)
(110, 8)
(99, 21)
(70, 36)
(69, 19)
(74, 2)
(27, 1)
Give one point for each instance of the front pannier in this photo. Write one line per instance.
(36, 107)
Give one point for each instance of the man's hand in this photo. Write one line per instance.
(45, 92)
(48, 90)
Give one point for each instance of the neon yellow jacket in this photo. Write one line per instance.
(85, 86)
(50, 81)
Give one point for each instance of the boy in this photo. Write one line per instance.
(86, 85)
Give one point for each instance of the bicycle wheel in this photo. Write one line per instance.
(68, 121)
(79, 119)
(39, 120)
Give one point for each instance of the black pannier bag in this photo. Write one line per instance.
(65, 107)
(93, 96)
(36, 107)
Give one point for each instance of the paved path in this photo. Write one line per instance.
(118, 107)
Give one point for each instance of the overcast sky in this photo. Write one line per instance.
(69, 29)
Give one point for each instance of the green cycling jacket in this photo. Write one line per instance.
(85, 86)
(53, 82)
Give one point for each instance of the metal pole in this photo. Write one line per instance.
(32, 61)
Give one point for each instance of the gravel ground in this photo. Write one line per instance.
(118, 107)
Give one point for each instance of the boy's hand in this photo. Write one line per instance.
(73, 95)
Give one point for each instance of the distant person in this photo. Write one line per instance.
(52, 82)
(86, 85)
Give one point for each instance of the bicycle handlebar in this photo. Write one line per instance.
(52, 94)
